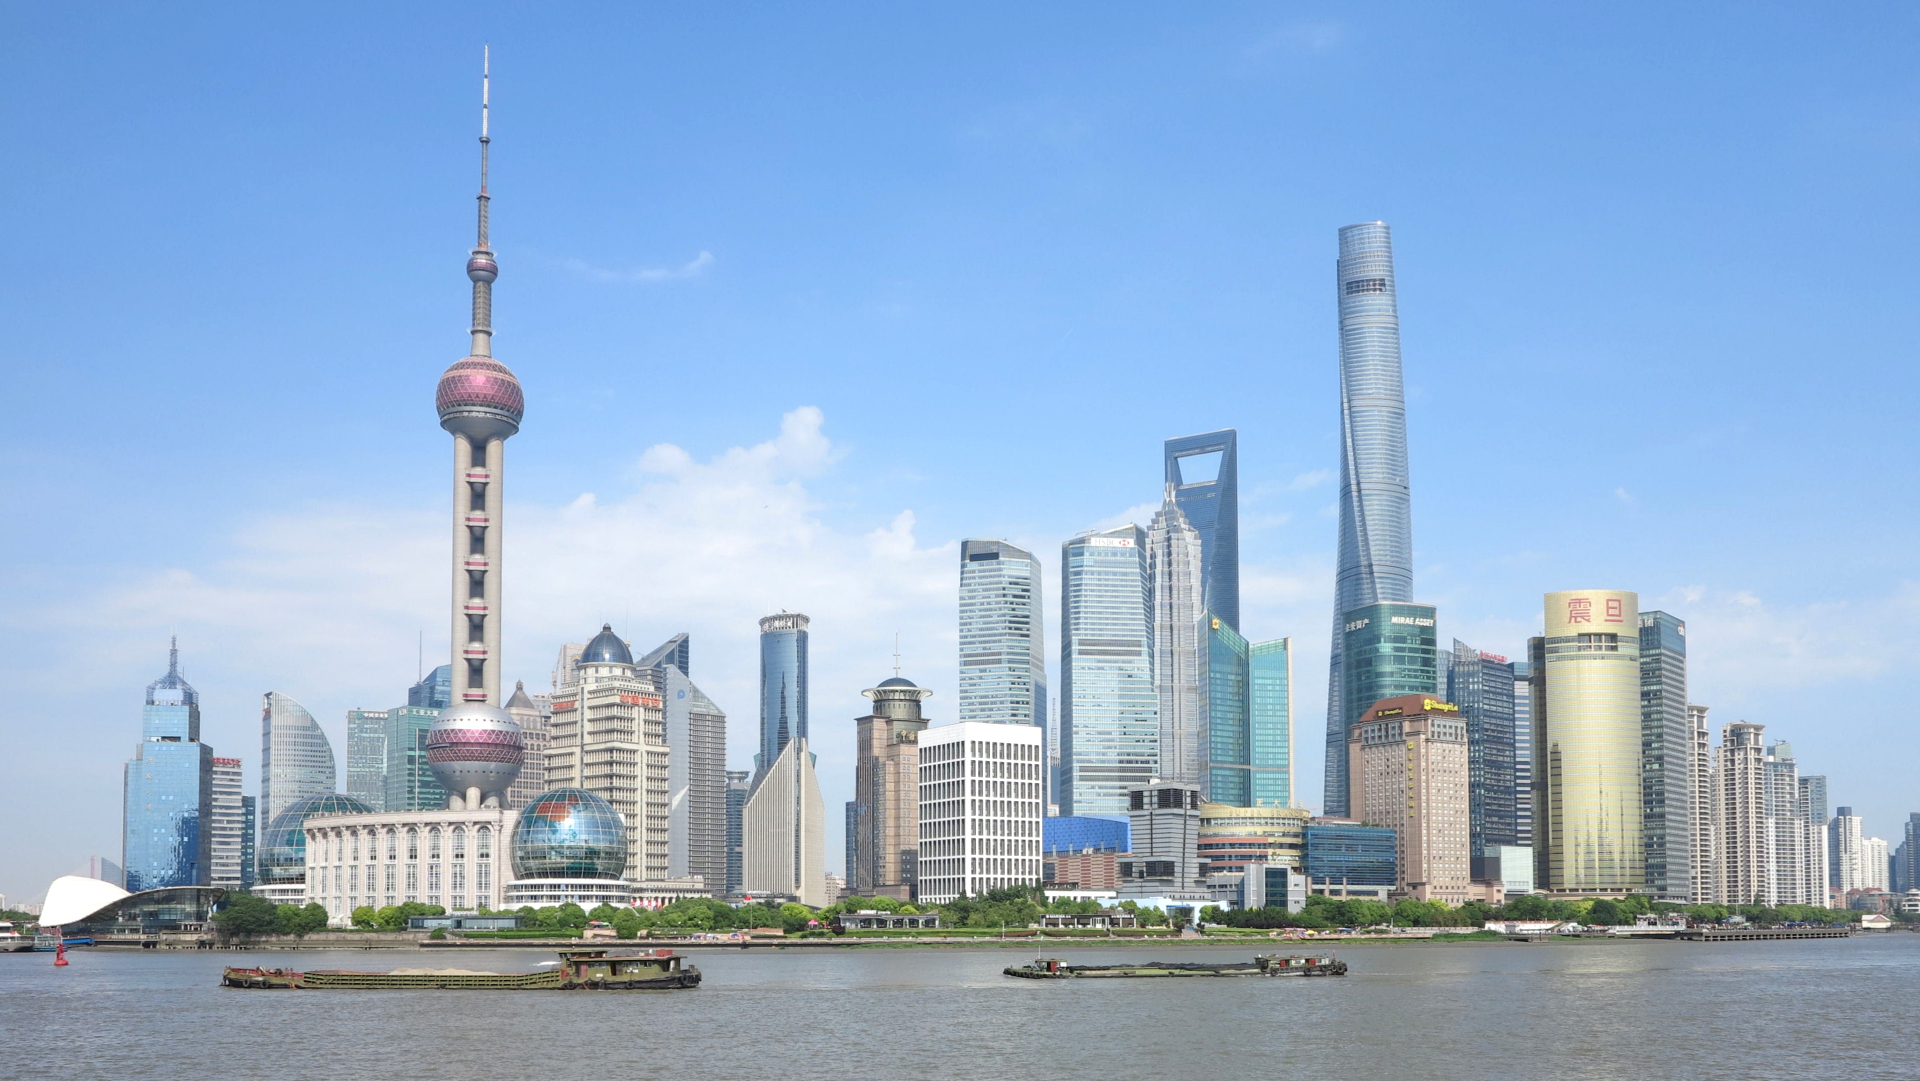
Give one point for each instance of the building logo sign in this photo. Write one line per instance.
(1110, 542)
(1413, 621)
(1357, 624)
(1580, 610)
(1432, 706)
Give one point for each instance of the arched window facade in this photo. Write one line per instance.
(413, 843)
(459, 842)
(433, 843)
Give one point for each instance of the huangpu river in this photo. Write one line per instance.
(1840, 1008)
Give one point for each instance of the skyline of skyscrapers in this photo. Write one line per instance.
(167, 789)
(1375, 542)
(1109, 710)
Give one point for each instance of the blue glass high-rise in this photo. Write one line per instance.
(1481, 684)
(1109, 710)
(1270, 723)
(783, 684)
(166, 838)
(1376, 518)
(1204, 471)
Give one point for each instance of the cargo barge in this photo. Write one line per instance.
(1052, 968)
(577, 970)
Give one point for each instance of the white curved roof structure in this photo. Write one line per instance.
(73, 898)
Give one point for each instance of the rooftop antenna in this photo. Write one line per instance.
(896, 654)
(481, 267)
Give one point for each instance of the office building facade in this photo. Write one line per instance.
(739, 785)
(434, 690)
(1666, 790)
(696, 767)
(1226, 713)
(1345, 858)
(883, 822)
(457, 859)
(1388, 650)
(227, 847)
(1742, 829)
(1375, 553)
(1588, 814)
(1274, 835)
(1846, 836)
(783, 683)
(1173, 571)
(1703, 850)
(409, 783)
(1109, 709)
(1003, 668)
(1203, 474)
(784, 829)
(982, 802)
(1270, 723)
(1523, 755)
(1481, 684)
(296, 758)
(1408, 767)
(609, 737)
(533, 713)
(166, 836)
(367, 756)
(1163, 820)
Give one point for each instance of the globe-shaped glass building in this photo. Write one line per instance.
(283, 849)
(569, 833)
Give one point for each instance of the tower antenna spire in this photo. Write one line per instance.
(173, 656)
(480, 265)
(896, 654)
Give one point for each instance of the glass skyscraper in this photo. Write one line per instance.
(1376, 522)
(1666, 788)
(1226, 692)
(435, 690)
(1270, 667)
(1481, 684)
(1173, 568)
(783, 684)
(167, 836)
(1204, 471)
(1003, 668)
(1391, 649)
(407, 782)
(367, 756)
(1109, 712)
(296, 758)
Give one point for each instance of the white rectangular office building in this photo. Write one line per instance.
(982, 798)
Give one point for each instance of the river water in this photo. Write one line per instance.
(1489, 1010)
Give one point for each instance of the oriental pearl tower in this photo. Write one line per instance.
(474, 747)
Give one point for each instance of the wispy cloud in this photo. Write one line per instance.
(693, 268)
(1308, 480)
(1313, 36)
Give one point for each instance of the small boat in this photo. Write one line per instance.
(46, 942)
(12, 941)
(577, 970)
(1266, 964)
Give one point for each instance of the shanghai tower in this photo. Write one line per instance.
(1376, 522)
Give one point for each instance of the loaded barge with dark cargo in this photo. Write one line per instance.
(1266, 964)
(577, 970)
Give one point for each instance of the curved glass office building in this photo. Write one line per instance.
(1376, 520)
(296, 758)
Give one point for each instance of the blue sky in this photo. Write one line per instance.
(801, 298)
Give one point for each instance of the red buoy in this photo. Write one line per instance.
(60, 953)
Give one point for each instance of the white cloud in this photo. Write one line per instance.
(693, 268)
(1140, 514)
(1739, 643)
(1308, 480)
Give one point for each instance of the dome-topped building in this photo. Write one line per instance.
(606, 648)
(282, 856)
(569, 845)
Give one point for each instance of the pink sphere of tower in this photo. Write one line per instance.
(479, 398)
(475, 746)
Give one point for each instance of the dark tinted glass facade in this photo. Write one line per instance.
(1354, 854)
(1481, 684)
(783, 684)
